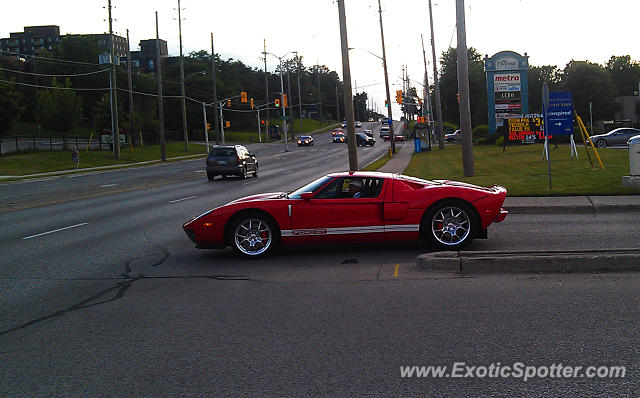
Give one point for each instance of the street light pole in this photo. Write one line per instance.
(299, 92)
(436, 85)
(463, 89)
(266, 90)
(115, 133)
(386, 83)
(163, 144)
(348, 96)
(216, 127)
(182, 93)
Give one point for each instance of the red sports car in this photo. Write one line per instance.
(352, 207)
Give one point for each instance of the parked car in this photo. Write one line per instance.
(619, 136)
(455, 136)
(389, 207)
(231, 160)
(339, 138)
(368, 132)
(305, 140)
(363, 140)
(397, 137)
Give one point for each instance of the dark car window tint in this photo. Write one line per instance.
(223, 152)
(310, 187)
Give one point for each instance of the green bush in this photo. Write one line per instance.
(500, 141)
(449, 128)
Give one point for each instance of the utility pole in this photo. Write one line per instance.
(266, 88)
(163, 145)
(115, 133)
(319, 94)
(386, 82)
(426, 98)
(216, 122)
(436, 85)
(182, 94)
(284, 109)
(131, 135)
(299, 92)
(337, 102)
(357, 106)
(347, 94)
(463, 89)
(289, 96)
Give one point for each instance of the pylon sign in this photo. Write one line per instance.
(507, 87)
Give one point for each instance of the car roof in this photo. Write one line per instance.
(376, 174)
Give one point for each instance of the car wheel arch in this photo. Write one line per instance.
(231, 220)
(450, 199)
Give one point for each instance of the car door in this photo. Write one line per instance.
(332, 216)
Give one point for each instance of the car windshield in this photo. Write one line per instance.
(305, 137)
(310, 187)
(223, 152)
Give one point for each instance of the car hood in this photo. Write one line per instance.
(260, 196)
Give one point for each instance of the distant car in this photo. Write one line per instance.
(336, 131)
(396, 137)
(371, 119)
(344, 123)
(618, 136)
(358, 124)
(231, 160)
(391, 207)
(384, 132)
(368, 132)
(385, 120)
(455, 136)
(364, 140)
(339, 138)
(305, 140)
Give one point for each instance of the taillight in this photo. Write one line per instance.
(239, 160)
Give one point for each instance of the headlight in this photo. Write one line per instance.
(299, 142)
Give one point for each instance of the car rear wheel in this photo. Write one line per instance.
(601, 143)
(253, 235)
(450, 225)
(255, 172)
(243, 174)
(211, 176)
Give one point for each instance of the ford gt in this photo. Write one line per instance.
(387, 207)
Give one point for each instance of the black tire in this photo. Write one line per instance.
(601, 143)
(450, 225)
(243, 174)
(255, 172)
(211, 176)
(253, 234)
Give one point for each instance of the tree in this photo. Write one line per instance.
(58, 109)
(590, 82)
(449, 87)
(537, 76)
(10, 110)
(624, 73)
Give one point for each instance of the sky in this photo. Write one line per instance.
(551, 32)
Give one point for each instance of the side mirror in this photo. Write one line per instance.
(253, 155)
(306, 195)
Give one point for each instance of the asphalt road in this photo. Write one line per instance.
(119, 303)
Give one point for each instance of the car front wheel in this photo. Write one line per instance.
(253, 235)
(601, 143)
(450, 225)
(211, 176)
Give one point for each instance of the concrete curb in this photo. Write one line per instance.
(531, 261)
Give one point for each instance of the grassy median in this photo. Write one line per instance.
(45, 161)
(523, 170)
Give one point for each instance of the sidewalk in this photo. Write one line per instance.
(536, 205)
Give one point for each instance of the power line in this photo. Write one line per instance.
(46, 75)
(53, 87)
(26, 56)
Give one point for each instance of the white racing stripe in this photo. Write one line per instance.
(320, 231)
(55, 230)
(180, 200)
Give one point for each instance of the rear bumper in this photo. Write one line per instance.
(225, 169)
(502, 214)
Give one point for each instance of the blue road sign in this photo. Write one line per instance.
(560, 114)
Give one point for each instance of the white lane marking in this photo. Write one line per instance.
(200, 171)
(108, 185)
(55, 230)
(313, 164)
(289, 171)
(74, 176)
(180, 200)
(250, 182)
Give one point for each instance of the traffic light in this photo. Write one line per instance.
(227, 124)
(386, 104)
(399, 96)
(458, 96)
(243, 97)
(262, 123)
(286, 103)
(252, 106)
(208, 126)
(419, 101)
(229, 103)
(276, 103)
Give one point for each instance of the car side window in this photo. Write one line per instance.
(331, 190)
(339, 188)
